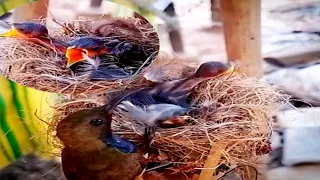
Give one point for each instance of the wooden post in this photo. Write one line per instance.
(212, 161)
(31, 11)
(242, 31)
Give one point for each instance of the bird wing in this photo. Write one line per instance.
(103, 73)
(165, 111)
(136, 113)
(150, 115)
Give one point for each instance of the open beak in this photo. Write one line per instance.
(229, 72)
(120, 144)
(13, 33)
(74, 55)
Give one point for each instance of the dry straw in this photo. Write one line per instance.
(44, 69)
(236, 110)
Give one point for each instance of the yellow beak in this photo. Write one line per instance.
(230, 71)
(13, 33)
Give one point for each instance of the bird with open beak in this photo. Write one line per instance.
(165, 105)
(36, 33)
(102, 58)
(91, 151)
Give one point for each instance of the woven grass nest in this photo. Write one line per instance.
(236, 111)
(42, 68)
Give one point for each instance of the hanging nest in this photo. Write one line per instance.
(236, 110)
(42, 68)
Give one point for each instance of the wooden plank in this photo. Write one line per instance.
(242, 31)
(296, 54)
(212, 162)
(31, 11)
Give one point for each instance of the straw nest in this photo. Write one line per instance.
(43, 68)
(236, 111)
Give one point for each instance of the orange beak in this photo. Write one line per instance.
(230, 71)
(75, 55)
(14, 33)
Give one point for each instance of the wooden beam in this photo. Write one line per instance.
(242, 31)
(31, 11)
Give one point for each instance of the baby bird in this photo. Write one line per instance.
(98, 57)
(166, 104)
(36, 33)
(91, 150)
(26, 30)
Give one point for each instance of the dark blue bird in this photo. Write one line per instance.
(166, 103)
(34, 32)
(100, 57)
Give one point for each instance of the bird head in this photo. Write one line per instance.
(83, 47)
(26, 30)
(213, 69)
(90, 130)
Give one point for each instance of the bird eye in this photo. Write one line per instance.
(96, 122)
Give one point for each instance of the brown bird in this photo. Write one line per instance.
(91, 150)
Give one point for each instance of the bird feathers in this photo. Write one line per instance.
(151, 115)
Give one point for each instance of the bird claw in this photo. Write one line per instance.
(148, 135)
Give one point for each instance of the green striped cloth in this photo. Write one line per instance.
(20, 130)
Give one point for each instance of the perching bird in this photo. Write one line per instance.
(34, 32)
(166, 103)
(91, 151)
(101, 58)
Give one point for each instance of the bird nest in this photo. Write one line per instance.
(43, 68)
(234, 111)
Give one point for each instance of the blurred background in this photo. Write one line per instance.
(290, 42)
